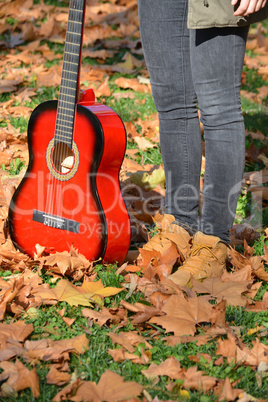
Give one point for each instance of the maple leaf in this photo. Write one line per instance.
(143, 312)
(101, 317)
(183, 315)
(176, 340)
(197, 380)
(228, 392)
(170, 367)
(65, 291)
(120, 355)
(132, 83)
(65, 263)
(97, 288)
(17, 331)
(19, 377)
(111, 387)
(57, 377)
(128, 340)
(230, 291)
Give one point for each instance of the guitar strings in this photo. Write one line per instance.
(54, 198)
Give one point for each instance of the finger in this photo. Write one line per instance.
(242, 9)
(251, 7)
(259, 5)
(233, 2)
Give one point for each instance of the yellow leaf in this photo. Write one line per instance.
(184, 394)
(65, 291)
(254, 330)
(149, 181)
(97, 288)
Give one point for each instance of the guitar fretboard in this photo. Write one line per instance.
(70, 74)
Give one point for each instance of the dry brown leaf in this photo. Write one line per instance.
(143, 143)
(183, 315)
(170, 367)
(111, 387)
(65, 263)
(228, 392)
(19, 377)
(230, 291)
(240, 275)
(100, 317)
(176, 340)
(261, 273)
(197, 380)
(259, 305)
(120, 355)
(132, 83)
(128, 340)
(17, 331)
(57, 377)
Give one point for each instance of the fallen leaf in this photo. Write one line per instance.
(57, 377)
(182, 315)
(111, 387)
(100, 317)
(65, 291)
(19, 377)
(170, 367)
(230, 291)
(128, 340)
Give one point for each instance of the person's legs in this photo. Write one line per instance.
(217, 56)
(165, 41)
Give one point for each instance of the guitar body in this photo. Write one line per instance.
(72, 196)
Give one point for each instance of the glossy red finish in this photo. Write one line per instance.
(108, 186)
(78, 198)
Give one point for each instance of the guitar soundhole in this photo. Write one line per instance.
(62, 158)
(62, 161)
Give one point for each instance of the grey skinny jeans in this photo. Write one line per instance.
(187, 67)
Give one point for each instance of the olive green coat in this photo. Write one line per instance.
(219, 13)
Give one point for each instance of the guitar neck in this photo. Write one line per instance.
(69, 88)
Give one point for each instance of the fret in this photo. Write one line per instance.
(63, 136)
(63, 125)
(74, 54)
(70, 96)
(74, 9)
(68, 79)
(67, 121)
(75, 44)
(70, 62)
(75, 22)
(64, 101)
(65, 108)
(73, 33)
(64, 131)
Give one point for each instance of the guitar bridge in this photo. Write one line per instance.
(55, 221)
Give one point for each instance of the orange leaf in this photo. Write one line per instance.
(182, 316)
(111, 387)
(19, 377)
(57, 377)
(170, 367)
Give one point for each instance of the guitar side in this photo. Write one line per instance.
(108, 186)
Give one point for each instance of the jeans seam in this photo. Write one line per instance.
(186, 192)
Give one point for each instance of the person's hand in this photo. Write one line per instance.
(247, 7)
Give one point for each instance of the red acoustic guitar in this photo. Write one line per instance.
(70, 194)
